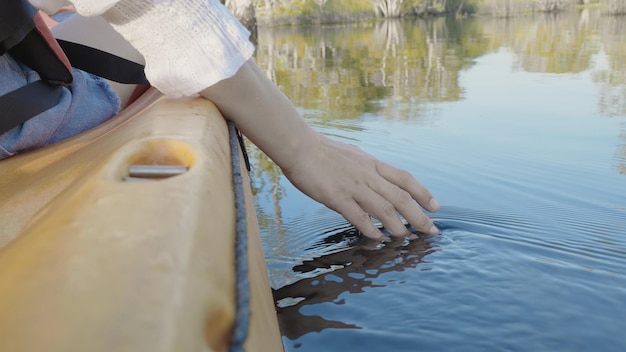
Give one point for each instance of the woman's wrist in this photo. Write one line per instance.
(263, 114)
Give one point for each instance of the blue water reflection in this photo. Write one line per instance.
(519, 129)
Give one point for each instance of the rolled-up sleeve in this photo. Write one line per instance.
(188, 45)
(85, 8)
(49, 6)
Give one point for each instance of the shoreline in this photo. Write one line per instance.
(321, 19)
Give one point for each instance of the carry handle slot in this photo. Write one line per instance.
(158, 159)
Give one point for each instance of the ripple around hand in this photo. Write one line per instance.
(338, 260)
(306, 237)
(568, 235)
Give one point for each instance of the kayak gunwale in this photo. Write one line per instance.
(92, 262)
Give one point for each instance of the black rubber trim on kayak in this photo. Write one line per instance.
(242, 288)
(103, 64)
(27, 101)
(244, 151)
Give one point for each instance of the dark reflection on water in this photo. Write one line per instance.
(350, 270)
(519, 129)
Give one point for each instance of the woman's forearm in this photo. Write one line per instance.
(263, 113)
(340, 176)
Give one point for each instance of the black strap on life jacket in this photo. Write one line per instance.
(25, 37)
(104, 64)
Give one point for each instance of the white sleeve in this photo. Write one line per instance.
(84, 7)
(49, 6)
(188, 45)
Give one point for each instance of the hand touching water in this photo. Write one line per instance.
(340, 176)
(357, 185)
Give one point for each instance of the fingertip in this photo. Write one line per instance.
(380, 236)
(433, 205)
(377, 237)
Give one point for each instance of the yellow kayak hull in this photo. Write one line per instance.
(91, 260)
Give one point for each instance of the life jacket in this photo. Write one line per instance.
(25, 36)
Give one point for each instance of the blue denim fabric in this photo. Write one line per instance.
(88, 102)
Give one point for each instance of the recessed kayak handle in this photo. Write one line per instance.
(154, 171)
(150, 160)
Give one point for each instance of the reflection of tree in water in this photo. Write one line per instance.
(621, 154)
(566, 44)
(420, 64)
(389, 34)
(351, 270)
(265, 176)
(552, 43)
(612, 81)
(344, 73)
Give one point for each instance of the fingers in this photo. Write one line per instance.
(400, 191)
(384, 208)
(404, 204)
(394, 192)
(361, 220)
(357, 185)
(407, 182)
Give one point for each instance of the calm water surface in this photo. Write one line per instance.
(519, 129)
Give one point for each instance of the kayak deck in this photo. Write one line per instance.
(95, 259)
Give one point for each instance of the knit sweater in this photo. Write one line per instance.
(188, 45)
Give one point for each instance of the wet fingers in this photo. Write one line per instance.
(405, 181)
(384, 210)
(361, 220)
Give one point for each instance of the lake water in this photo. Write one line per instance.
(518, 127)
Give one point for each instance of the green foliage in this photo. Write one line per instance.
(461, 6)
(305, 11)
(361, 68)
(346, 6)
(346, 72)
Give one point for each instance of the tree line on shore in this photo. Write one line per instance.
(278, 12)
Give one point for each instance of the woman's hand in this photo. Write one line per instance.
(358, 186)
(340, 176)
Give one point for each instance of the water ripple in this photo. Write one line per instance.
(596, 243)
